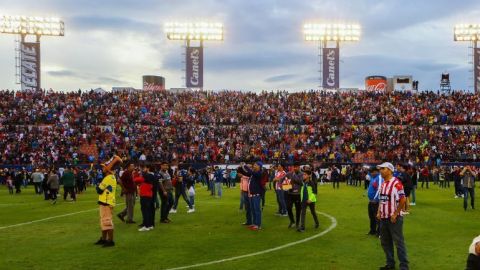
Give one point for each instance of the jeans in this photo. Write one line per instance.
(391, 233)
(218, 187)
(248, 208)
(184, 196)
(293, 199)
(304, 213)
(146, 205)
(38, 187)
(212, 188)
(282, 206)
(129, 206)
(53, 194)
(413, 193)
(167, 203)
(256, 210)
(336, 182)
(372, 215)
(465, 197)
(425, 179)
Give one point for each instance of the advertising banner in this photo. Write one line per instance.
(194, 72)
(30, 66)
(331, 68)
(476, 69)
(376, 83)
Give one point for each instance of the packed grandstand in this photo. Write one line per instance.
(50, 127)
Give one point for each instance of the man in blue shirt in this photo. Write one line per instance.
(375, 182)
(218, 176)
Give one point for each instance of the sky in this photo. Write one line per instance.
(115, 42)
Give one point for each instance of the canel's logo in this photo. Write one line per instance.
(195, 58)
(331, 68)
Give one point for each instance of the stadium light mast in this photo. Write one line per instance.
(27, 57)
(470, 33)
(194, 32)
(329, 58)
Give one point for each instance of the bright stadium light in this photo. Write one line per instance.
(466, 32)
(24, 25)
(194, 31)
(331, 32)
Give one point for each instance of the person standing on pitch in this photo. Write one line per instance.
(128, 189)
(293, 195)
(308, 197)
(468, 175)
(392, 202)
(106, 200)
(373, 185)
(254, 193)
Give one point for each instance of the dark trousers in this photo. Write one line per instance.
(372, 215)
(248, 208)
(293, 199)
(53, 194)
(337, 183)
(167, 203)
(473, 262)
(425, 179)
(146, 205)
(304, 213)
(38, 187)
(67, 190)
(184, 196)
(256, 210)
(458, 188)
(466, 191)
(129, 206)
(392, 233)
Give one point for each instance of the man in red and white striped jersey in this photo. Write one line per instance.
(392, 201)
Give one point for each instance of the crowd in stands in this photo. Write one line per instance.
(47, 127)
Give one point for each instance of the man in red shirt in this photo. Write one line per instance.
(128, 189)
(392, 201)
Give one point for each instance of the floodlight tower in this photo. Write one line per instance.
(470, 33)
(191, 32)
(329, 58)
(28, 53)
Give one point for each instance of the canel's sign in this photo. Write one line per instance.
(194, 70)
(331, 63)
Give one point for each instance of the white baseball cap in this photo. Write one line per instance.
(387, 165)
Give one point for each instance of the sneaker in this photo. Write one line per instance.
(100, 242)
(109, 244)
(54, 202)
(412, 203)
(456, 197)
(191, 210)
(173, 211)
(150, 228)
(317, 225)
(254, 228)
(121, 217)
(246, 224)
(404, 212)
(291, 225)
(284, 215)
(301, 230)
(144, 229)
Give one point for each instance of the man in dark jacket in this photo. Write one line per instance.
(293, 195)
(68, 180)
(254, 193)
(128, 189)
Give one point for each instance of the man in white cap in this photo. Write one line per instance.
(392, 201)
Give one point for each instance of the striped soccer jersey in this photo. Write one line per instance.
(390, 194)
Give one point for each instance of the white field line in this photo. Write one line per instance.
(48, 218)
(332, 226)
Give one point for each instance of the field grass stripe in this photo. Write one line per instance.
(332, 226)
(48, 218)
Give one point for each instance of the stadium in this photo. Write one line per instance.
(199, 140)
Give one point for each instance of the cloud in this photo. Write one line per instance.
(281, 78)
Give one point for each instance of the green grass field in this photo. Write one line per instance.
(437, 233)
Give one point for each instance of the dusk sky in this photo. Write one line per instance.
(114, 42)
